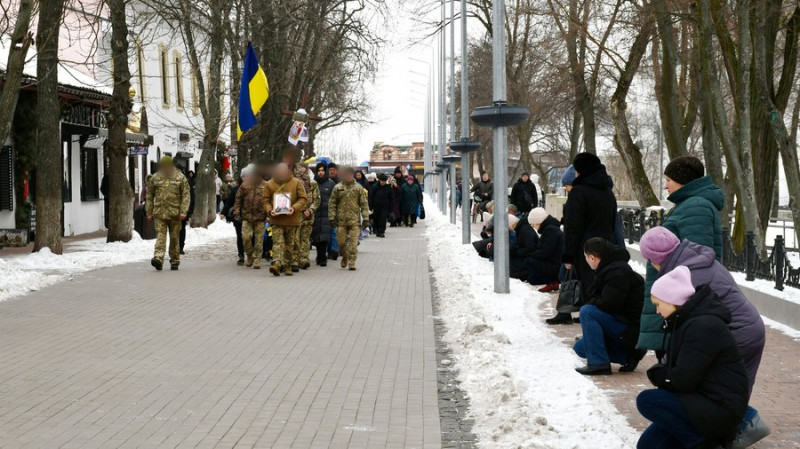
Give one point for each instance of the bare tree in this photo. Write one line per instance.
(21, 39)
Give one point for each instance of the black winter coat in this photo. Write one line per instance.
(704, 367)
(527, 240)
(591, 211)
(524, 196)
(321, 232)
(227, 204)
(381, 199)
(546, 259)
(618, 291)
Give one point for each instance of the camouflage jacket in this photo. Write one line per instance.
(302, 173)
(348, 205)
(313, 202)
(247, 205)
(167, 196)
(294, 188)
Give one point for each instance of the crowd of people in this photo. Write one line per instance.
(281, 211)
(707, 337)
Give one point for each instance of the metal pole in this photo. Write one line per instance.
(466, 213)
(442, 106)
(453, 207)
(501, 251)
(427, 178)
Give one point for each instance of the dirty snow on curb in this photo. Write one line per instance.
(23, 274)
(520, 377)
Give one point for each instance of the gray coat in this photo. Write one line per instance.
(746, 325)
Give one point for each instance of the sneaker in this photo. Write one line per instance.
(595, 370)
(634, 358)
(288, 271)
(551, 287)
(157, 264)
(750, 432)
(560, 318)
(275, 269)
(240, 262)
(173, 267)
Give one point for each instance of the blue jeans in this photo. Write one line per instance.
(601, 342)
(670, 428)
(333, 245)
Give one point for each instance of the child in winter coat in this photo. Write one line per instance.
(702, 386)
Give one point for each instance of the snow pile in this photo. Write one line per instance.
(23, 274)
(520, 378)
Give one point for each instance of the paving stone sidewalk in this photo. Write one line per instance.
(217, 355)
(775, 395)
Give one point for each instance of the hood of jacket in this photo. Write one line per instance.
(703, 187)
(596, 178)
(691, 255)
(703, 302)
(548, 222)
(612, 254)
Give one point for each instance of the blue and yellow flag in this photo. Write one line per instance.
(253, 93)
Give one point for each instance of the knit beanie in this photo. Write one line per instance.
(674, 287)
(657, 244)
(568, 177)
(537, 216)
(685, 169)
(584, 162)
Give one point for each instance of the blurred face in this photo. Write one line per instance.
(670, 185)
(281, 172)
(485, 178)
(333, 172)
(228, 177)
(167, 169)
(383, 182)
(359, 176)
(398, 175)
(525, 178)
(593, 261)
(537, 226)
(348, 176)
(410, 181)
(664, 309)
(321, 172)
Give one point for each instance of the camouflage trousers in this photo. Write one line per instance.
(252, 229)
(303, 243)
(347, 235)
(174, 229)
(284, 245)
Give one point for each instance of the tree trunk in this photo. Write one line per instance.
(49, 220)
(120, 202)
(667, 95)
(21, 40)
(631, 156)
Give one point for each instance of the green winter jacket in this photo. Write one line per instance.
(695, 217)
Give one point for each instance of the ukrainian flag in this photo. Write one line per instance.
(253, 93)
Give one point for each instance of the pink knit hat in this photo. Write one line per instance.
(674, 287)
(657, 244)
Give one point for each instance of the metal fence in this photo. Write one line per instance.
(776, 267)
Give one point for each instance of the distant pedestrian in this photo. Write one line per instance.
(321, 233)
(381, 201)
(410, 201)
(483, 192)
(524, 194)
(249, 211)
(303, 258)
(185, 222)
(168, 198)
(218, 191)
(347, 207)
(285, 224)
(397, 182)
(227, 214)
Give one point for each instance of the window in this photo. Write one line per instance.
(176, 58)
(66, 171)
(140, 71)
(90, 185)
(195, 94)
(6, 179)
(164, 64)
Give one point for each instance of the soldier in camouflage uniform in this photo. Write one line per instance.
(347, 210)
(284, 226)
(291, 157)
(307, 225)
(168, 197)
(248, 209)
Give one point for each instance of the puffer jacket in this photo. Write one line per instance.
(695, 217)
(248, 203)
(704, 367)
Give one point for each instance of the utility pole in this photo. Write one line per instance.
(466, 213)
(442, 106)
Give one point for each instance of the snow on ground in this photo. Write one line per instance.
(23, 274)
(520, 377)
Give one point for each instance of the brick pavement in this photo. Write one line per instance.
(775, 395)
(217, 355)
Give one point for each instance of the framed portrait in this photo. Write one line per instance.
(282, 203)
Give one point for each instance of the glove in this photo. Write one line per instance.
(365, 224)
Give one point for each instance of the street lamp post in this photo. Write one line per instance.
(442, 105)
(499, 116)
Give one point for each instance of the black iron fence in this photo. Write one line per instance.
(776, 267)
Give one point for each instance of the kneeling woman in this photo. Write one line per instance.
(702, 386)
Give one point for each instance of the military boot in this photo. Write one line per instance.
(275, 269)
(288, 271)
(249, 262)
(257, 264)
(351, 266)
(157, 264)
(343, 264)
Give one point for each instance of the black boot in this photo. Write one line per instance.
(595, 370)
(560, 318)
(157, 264)
(634, 358)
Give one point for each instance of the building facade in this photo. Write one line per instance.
(410, 158)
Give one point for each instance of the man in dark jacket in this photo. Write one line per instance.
(591, 211)
(397, 182)
(321, 233)
(544, 262)
(524, 195)
(701, 392)
(381, 201)
(227, 214)
(526, 243)
(483, 192)
(610, 317)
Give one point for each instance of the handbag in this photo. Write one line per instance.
(570, 295)
(421, 212)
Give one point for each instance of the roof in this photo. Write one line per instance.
(70, 78)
